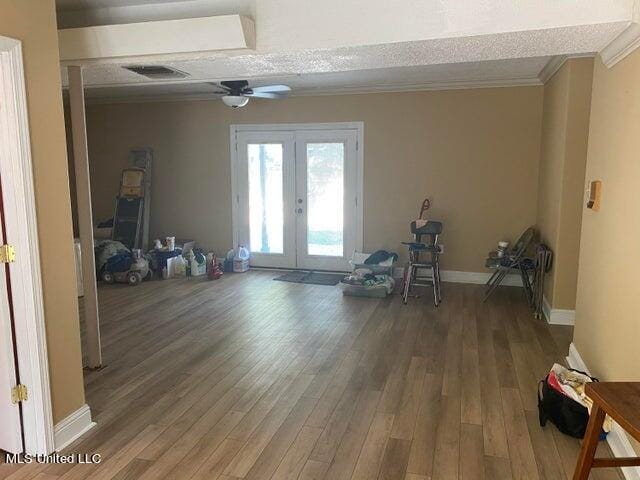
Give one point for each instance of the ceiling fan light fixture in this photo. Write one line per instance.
(235, 101)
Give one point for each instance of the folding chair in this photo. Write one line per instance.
(431, 231)
(514, 259)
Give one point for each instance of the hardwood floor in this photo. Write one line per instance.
(250, 378)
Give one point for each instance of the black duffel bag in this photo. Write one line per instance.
(569, 416)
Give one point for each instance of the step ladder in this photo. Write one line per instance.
(132, 212)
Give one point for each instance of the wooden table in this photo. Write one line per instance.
(621, 401)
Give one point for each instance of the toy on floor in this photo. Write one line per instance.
(126, 268)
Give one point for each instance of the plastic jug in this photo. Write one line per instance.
(243, 253)
(241, 260)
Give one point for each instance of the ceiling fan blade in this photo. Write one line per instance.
(271, 89)
(264, 95)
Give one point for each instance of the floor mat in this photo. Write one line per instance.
(312, 278)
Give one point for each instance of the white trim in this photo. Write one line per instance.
(552, 67)
(556, 63)
(73, 427)
(476, 278)
(278, 127)
(557, 316)
(617, 438)
(355, 90)
(20, 219)
(622, 45)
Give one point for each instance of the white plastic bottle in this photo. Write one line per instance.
(241, 260)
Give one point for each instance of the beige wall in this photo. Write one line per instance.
(563, 153)
(474, 152)
(33, 22)
(607, 310)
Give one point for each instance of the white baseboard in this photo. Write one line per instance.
(557, 316)
(617, 438)
(479, 278)
(72, 427)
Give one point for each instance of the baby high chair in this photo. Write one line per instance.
(423, 256)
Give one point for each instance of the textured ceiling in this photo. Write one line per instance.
(366, 45)
(489, 73)
(487, 58)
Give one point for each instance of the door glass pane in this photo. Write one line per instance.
(325, 199)
(266, 225)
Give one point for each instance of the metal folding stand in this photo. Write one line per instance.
(513, 260)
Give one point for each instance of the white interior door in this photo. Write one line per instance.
(266, 197)
(326, 198)
(297, 196)
(10, 424)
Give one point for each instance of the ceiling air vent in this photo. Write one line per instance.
(156, 72)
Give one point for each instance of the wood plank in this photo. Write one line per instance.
(344, 460)
(471, 456)
(447, 451)
(394, 462)
(270, 458)
(424, 437)
(523, 462)
(370, 459)
(313, 470)
(257, 442)
(405, 418)
(298, 454)
(544, 448)
(498, 468)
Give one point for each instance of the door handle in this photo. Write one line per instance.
(299, 210)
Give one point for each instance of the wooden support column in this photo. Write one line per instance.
(85, 216)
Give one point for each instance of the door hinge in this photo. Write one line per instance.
(7, 254)
(19, 393)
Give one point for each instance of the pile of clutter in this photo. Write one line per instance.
(190, 261)
(372, 274)
(117, 263)
(366, 278)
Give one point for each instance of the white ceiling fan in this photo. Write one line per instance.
(236, 93)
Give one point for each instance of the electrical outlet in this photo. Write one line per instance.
(441, 248)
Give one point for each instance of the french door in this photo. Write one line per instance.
(297, 197)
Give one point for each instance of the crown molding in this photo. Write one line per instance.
(556, 63)
(621, 46)
(356, 90)
(551, 68)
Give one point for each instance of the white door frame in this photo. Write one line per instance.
(278, 127)
(22, 232)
